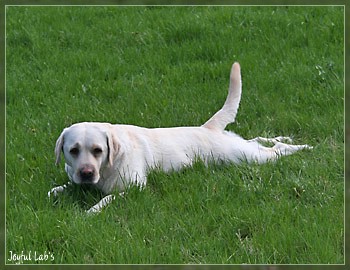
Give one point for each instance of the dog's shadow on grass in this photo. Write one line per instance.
(82, 197)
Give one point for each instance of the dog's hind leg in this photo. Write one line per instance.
(284, 149)
(271, 140)
(261, 154)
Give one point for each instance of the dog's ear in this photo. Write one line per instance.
(113, 146)
(59, 147)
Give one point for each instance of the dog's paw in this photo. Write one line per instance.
(307, 147)
(93, 210)
(283, 139)
(54, 191)
(97, 208)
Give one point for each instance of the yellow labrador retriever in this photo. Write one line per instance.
(115, 156)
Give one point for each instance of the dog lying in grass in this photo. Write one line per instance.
(117, 156)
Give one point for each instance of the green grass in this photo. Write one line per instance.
(169, 66)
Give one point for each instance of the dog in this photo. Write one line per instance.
(116, 156)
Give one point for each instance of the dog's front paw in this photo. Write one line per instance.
(93, 210)
(54, 191)
(101, 204)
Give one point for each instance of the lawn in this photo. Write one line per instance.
(169, 66)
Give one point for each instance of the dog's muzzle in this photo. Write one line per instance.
(87, 173)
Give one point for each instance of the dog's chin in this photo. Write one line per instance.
(79, 181)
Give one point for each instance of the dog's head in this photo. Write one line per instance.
(87, 148)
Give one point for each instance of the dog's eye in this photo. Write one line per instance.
(74, 151)
(97, 151)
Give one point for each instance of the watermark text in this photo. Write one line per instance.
(24, 257)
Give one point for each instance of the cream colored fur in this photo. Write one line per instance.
(116, 156)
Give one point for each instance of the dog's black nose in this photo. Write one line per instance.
(87, 173)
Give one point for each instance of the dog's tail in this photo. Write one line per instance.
(228, 112)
